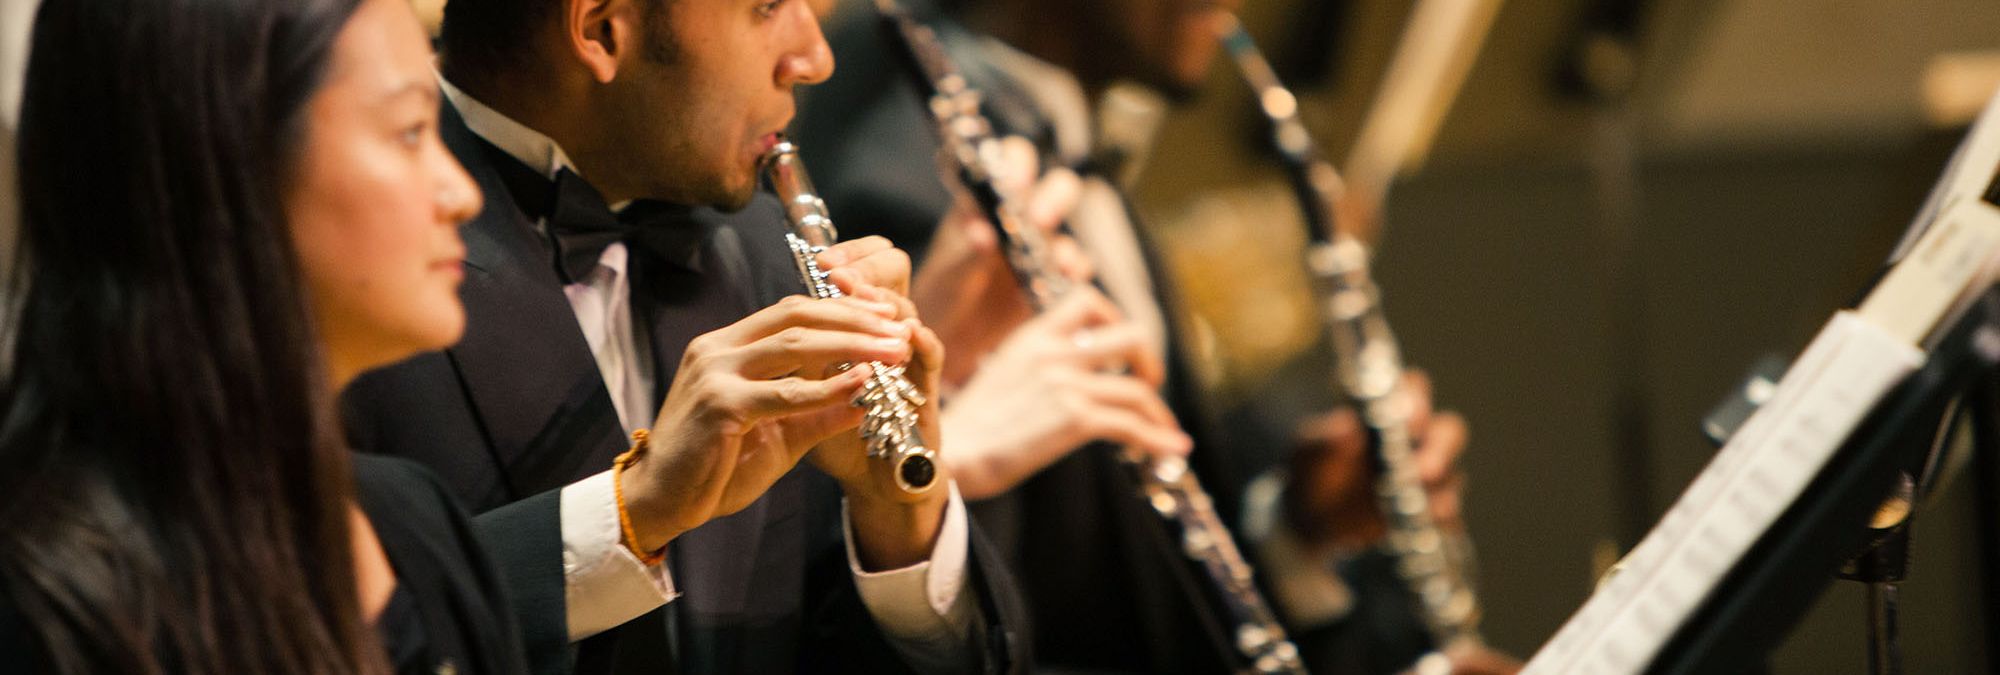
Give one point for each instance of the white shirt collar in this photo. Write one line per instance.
(533, 148)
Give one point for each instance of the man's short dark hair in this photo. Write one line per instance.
(482, 37)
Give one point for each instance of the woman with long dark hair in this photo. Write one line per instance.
(230, 209)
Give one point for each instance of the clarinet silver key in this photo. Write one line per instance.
(1434, 565)
(890, 401)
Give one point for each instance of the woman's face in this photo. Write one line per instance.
(376, 199)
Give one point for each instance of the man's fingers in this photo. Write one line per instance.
(793, 395)
(1125, 427)
(1447, 503)
(1445, 440)
(879, 296)
(853, 249)
(925, 364)
(1417, 387)
(886, 267)
(1082, 308)
(1120, 347)
(804, 430)
(844, 314)
(1055, 196)
(1070, 259)
(927, 354)
(963, 227)
(770, 450)
(906, 308)
(1126, 393)
(790, 350)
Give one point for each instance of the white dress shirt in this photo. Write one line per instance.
(924, 610)
(1307, 586)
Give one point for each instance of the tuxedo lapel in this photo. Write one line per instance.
(524, 362)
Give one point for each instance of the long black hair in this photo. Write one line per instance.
(173, 493)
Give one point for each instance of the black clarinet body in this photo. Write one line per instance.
(1256, 637)
(1434, 564)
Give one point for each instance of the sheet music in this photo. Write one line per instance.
(1956, 253)
(1853, 362)
(1967, 178)
(1756, 476)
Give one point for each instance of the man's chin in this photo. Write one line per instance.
(733, 200)
(722, 195)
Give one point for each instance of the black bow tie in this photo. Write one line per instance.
(580, 225)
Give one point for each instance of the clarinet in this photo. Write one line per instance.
(890, 400)
(1166, 484)
(1432, 563)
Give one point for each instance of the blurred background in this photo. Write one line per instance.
(1630, 203)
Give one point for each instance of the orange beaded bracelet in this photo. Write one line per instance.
(649, 558)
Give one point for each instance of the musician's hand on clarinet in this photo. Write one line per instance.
(1330, 499)
(747, 401)
(1076, 374)
(965, 289)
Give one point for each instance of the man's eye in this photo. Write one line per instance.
(768, 9)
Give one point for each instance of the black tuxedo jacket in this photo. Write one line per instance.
(1080, 522)
(518, 407)
(454, 608)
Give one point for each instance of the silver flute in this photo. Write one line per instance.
(1434, 564)
(1166, 483)
(889, 399)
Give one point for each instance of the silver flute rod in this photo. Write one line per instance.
(890, 400)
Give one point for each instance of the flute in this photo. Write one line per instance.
(1166, 483)
(1432, 563)
(889, 399)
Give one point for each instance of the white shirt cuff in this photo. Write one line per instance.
(923, 609)
(1306, 585)
(604, 584)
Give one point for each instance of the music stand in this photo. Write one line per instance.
(1765, 594)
